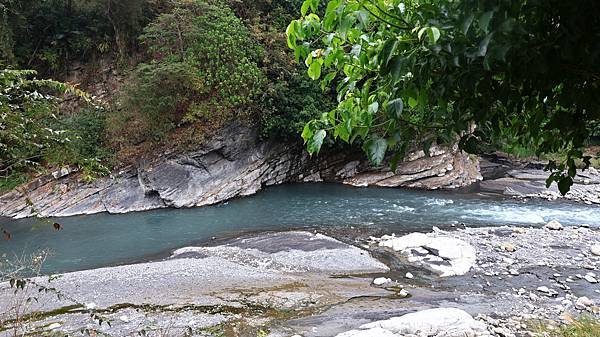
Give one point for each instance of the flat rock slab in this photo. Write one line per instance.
(276, 272)
(292, 252)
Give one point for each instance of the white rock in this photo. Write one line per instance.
(499, 331)
(554, 225)
(403, 293)
(53, 326)
(90, 306)
(124, 319)
(381, 281)
(443, 255)
(595, 249)
(583, 302)
(411, 240)
(440, 321)
(590, 279)
(547, 291)
(409, 275)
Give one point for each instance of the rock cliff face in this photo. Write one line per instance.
(232, 163)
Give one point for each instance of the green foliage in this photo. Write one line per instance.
(203, 67)
(289, 104)
(156, 100)
(415, 72)
(26, 109)
(31, 133)
(49, 34)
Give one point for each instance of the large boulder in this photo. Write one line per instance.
(443, 255)
(439, 322)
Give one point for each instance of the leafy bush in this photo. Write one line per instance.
(27, 110)
(204, 68)
(31, 134)
(288, 105)
(289, 99)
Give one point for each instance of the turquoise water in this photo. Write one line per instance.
(103, 239)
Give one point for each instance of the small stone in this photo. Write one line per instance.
(520, 230)
(514, 272)
(584, 225)
(499, 331)
(595, 249)
(547, 291)
(409, 275)
(403, 293)
(508, 247)
(508, 260)
(583, 302)
(590, 279)
(381, 281)
(554, 225)
(124, 319)
(53, 326)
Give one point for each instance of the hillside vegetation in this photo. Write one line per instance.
(384, 75)
(184, 68)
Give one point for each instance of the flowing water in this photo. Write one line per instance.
(103, 239)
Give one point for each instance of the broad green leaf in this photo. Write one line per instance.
(342, 132)
(387, 52)
(314, 70)
(564, 185)
(434, 34)
(395, 107)
(395, 67)
(307, 133)
(421, 32)
(315, 143)
(484, 20)
(373, 108)
(376, 149)
(466, 24)
(483, 45)
(305, 6)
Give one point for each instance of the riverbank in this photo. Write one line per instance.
(300, 283)
(224, 167)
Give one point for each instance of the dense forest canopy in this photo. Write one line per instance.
(387, 75)
(431, 71)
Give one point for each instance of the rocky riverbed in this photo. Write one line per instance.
(496, 281)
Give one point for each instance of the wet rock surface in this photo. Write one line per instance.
(232, 163)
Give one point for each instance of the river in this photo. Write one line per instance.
(99, 240)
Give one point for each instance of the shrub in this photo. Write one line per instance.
(204, 68)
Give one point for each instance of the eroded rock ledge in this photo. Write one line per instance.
(232, 163)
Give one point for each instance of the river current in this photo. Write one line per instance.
(99, 240)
